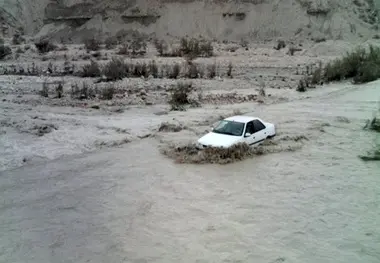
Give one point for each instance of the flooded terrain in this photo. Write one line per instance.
(316, 203)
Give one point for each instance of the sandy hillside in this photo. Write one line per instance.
(222, 20)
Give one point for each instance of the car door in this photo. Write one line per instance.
(259, 132)
(250, 140)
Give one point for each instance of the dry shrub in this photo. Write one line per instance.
(140, 70)
(179, 96)
(123, 50)
(193, 48)
(153, 69)
(174, 72)
(19, 50)
(4, 51)
(85, 92)
(280, 45)
(293, 49)
(116, 69)
(45, 90)
(92, 44)
(68, 68)
(211, 70)
(137, 48)
(373, 125)
(192, 72)
(91, 70)
(304, 84)
(45, 46)
(59, 91)
(229, 70)
(190, 48)
(18, 39)
(160, 46)
(111, 42)
(108, 92)
(317, 76)
(170, 127)
(262, 89)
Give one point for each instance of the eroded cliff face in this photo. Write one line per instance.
(74, 20)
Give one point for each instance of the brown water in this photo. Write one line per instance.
(131, 204)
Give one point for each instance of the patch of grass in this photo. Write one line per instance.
(44, 46)
(179, 96)
(4, 51)
(91, 70)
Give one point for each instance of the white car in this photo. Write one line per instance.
(238, 129)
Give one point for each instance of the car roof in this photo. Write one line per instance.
(241, 118)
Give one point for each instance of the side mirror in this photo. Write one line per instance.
(247, 134)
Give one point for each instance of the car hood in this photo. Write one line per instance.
(219, 140)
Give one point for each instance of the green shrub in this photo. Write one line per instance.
(360, 64)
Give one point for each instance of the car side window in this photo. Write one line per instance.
(258, 126)
(249, 128)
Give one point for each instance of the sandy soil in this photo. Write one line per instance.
(90, 185)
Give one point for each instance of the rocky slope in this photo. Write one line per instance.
(73, 20)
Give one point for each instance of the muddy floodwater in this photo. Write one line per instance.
(318, 203)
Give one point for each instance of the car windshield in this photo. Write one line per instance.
(229, 128)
